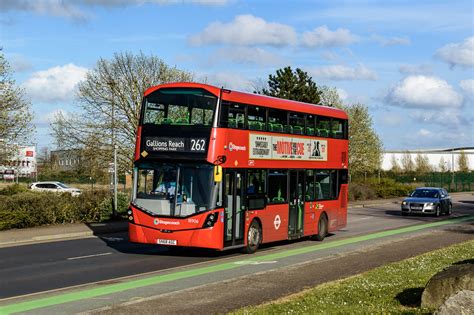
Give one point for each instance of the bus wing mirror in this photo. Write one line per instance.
(218, 173)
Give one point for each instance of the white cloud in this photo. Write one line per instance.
(324, 37)
(390, 41)
(424, 133)
(246, 30)
(391, 119)
(419, 91)
(329, 55)
(415, 69)
(56, 84)
(44, 7)
(233, 81)
(52, 115)
(20, 63)
(439, 117)
(341, 72)
(247, 55)
(467, 86)
(458, 54)
(72, 9)
(342, 94)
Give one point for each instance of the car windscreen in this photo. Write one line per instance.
(425, 193)
(62, 185)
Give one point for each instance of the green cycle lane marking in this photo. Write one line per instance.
(153, 280)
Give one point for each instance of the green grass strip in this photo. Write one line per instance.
(394, 288)
(153, 280)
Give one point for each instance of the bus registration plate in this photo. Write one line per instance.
(167, 242)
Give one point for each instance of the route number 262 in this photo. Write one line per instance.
(198, 144)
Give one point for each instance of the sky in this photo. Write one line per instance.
(410, 62)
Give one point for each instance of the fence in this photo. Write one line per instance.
(453, 182)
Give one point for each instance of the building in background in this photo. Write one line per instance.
(66, 160)
(449, 157)
(23, 164)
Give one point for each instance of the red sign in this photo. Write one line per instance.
(29, 153)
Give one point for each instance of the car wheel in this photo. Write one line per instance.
(254, 237)
(322, 228)
(437, 213)
(450, 209)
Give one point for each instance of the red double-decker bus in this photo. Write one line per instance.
(222, 169)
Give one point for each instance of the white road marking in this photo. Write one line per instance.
(89, 256)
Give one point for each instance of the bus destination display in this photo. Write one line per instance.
(164, 144)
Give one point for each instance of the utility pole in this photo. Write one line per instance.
(114, 145)
(452, 167)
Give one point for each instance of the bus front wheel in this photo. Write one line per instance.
(322, 228)
(254, 237)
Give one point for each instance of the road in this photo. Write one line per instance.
(37, 268)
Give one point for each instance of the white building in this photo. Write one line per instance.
(22, 163)
(448, 156)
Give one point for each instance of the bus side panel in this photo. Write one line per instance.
(342, 216)
(274, 220)
(310, 218)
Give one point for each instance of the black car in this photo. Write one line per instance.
(428, 200)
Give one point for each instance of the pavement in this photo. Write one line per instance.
(49, 233)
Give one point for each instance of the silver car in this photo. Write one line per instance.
(428, 200)
(55, 187)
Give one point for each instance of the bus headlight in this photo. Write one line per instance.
(211, 220)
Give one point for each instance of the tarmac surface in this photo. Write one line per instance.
(104, 273)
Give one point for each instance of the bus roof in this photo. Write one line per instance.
(256, 99)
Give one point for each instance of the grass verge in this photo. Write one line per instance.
(391, 289)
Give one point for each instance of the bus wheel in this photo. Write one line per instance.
(254, 238)
(322, 228)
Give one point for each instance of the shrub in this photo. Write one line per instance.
(387, 187)
(359, 191)
(13, 189)
(29, 208)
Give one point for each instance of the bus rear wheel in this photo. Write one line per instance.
(322, 228)
(254, 237)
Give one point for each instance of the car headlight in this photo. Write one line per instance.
(430, 204)
(404, 203)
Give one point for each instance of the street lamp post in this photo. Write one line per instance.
(114, 145)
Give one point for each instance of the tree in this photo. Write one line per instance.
(422, 164)
(395, 166)
(330, 97)
(442, 166)
(110, 99)
(365, 146)
(463, 162)
(407, 163)
(297, 86)
(15, 112)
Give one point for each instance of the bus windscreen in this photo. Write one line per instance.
(184, 106)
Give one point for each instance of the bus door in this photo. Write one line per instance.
(296, 189)
(234, 193)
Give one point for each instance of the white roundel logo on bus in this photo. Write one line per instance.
(277, 222)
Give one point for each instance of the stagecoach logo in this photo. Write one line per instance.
(319, 206)
(158, 221)
(277, 222)
(234, 147)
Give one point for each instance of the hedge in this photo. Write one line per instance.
(20, 209)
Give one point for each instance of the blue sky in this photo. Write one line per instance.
(411, 62)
